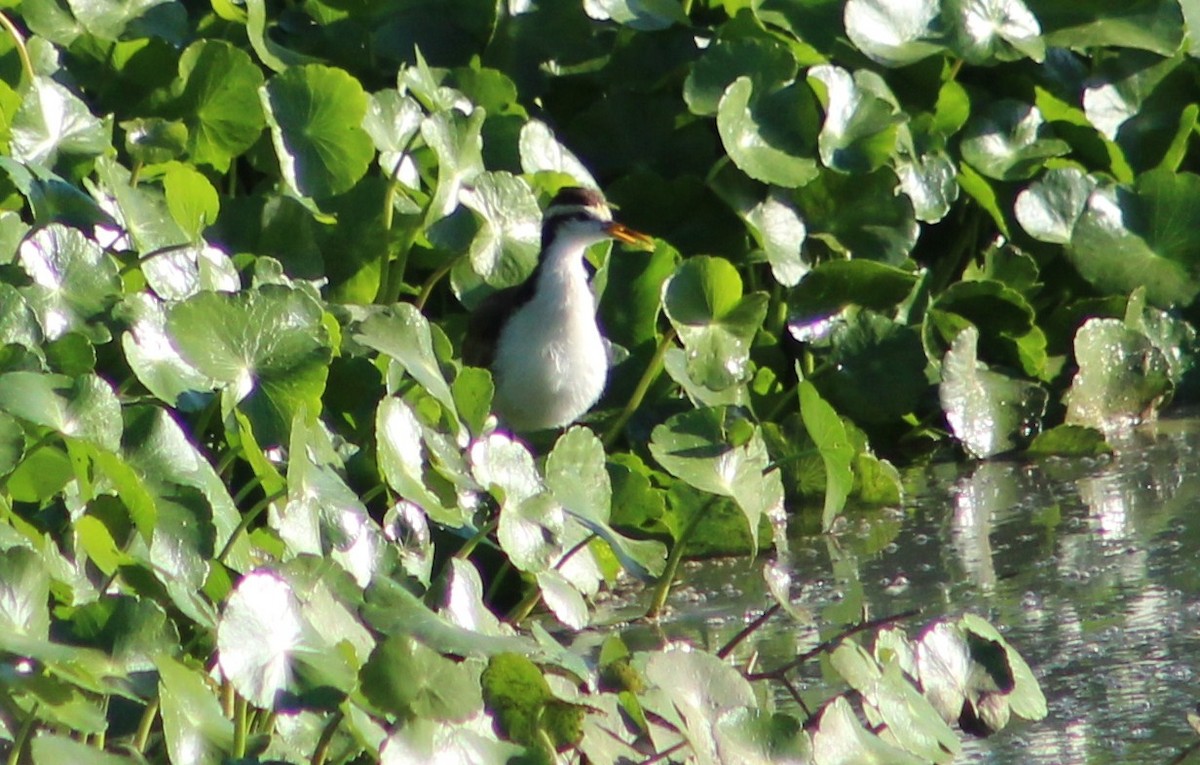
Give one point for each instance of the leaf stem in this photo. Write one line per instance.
(432, 282)
(146, 724)
(22, 738)
(247, 518)
(653, 370)
(663, 588)
(240, 727)
(19, 42)
(484, 531)
(321, 751)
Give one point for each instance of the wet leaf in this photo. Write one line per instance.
(1122, 379)
(716, 322)
(988, 412)
(1049, 208)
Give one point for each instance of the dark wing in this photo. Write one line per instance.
(483, 328)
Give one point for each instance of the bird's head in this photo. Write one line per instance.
(580, 217)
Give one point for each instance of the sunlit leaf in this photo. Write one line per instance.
(829, 434)
(768, 138)
(316, 113)
(268, 349)
(716, 322)
(1122, 379)
(985, 31)
(51, 121)
(861, 119)
(893, 32)
(194, 725)
(1010, 141)
(74, 281)
(767, 62)
(989, 412)
(216, 98)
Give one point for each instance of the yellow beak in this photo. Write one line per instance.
(623, 233)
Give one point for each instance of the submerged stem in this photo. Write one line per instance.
(663, 588)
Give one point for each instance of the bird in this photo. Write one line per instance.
(540, 339)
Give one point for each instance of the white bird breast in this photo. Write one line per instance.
(551, 362)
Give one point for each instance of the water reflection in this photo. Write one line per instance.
(1089, 567)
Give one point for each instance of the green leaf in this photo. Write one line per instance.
(1069, 441)
(826, 430)
(261, 628)
(194, 724)
(1129, 238)
(24, 594)
(407, 679)
(82, 407)
(1122, 379)
(859, 215)
(893, 33)
(457, 142)
(780, 231)
(141, 208)
(770, 139)
(861, 119)
(268, 349)
(404, 334)
(541, 152)
(931, 182)
(1049, 208)
(701, 687)
(316, 113)
(402, 460)
(716, 323)
(215, 97)
(50, 749)
(709, 449)
(989, 31)
(988, 412)
(577, 476)
(839, 737)
(191, 199)
(766, 61)
(642, 15)
(51, 121)
(1009, 141)
(505, 248)
(877, 370)
(152, 139)
(74, 282)
(835, 284)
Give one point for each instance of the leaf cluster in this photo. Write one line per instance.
(252, 502)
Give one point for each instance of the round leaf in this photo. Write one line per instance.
(316, 115)
(769, 139)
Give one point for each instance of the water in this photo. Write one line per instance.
(1090, 567)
